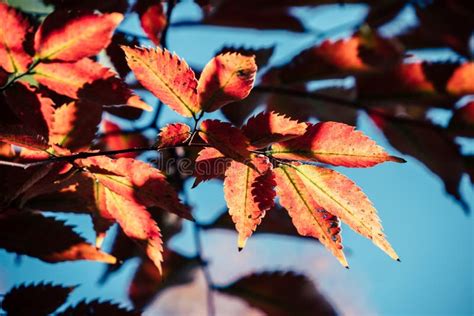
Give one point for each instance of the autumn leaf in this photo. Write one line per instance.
(13, 32)
(35, 299)
(75, 124)
(136, 181)
(270, 127)
(226, 78)
(173, 135)
(280, 294)
(341, 197)
(114, 139)
(73, 35)
(19, 233)
(209, 164)
(167, 76)
(97, 307)
(136, 222)
(88, 80)
(33, 109)
(229, 140)
(152, 18)
(23, 137)
(249, 194)
(462, 80)
(333, 143)
(462, 121)
(309, 216)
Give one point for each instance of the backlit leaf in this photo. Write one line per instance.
(173, 135)
(226, 78)
(152, 18)
(333, 143)
(309, 216)
(73, 35)
(270, 127)
(249, 194)
(13, 31)
(167, 76)
(341, 197)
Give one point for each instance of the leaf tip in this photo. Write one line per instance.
(398, 259)
(397, 159)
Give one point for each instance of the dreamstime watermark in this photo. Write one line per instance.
(187, 167)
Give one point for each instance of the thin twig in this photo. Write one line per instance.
(211, 310)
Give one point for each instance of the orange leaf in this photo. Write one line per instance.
(88, 80)
(13, 31)
(209, 164)
(152, 18)
(173, 135)
(227, 139)
(116, 139)
(19, 233)
(249, 194)
(270, 127)
(309, 217)
(462, 80)
(333, 143)
(136, 181)
(75, 124)
(167, 76)
(73, 35)
(226, 78)
(136, 222)
(21, 136)
(343, 198)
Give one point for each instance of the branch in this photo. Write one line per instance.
(207, 275)
(341, 102)
(83, 155)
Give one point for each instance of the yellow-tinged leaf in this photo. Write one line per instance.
(73, 35)
(167, 76)
(309, 217)
(137, 223)
(343, 198)
(249, 194)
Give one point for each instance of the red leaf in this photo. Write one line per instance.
(136, 223)
(75, 124)
(73, 35)
(19, 233)
(136, 181)
(227, 139)
(13, 31)
(35, 299)
(309, 217)
(462, 121)
(167, 76)
(173, 135)
(249, 194)
(341, 197)
(270, 127)
(34, 110)
(152, 18)
(23, 137)
(226, 78)
(209, 164)
(117, 139)
(280, 294)
(333, 143)
(88, 80)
